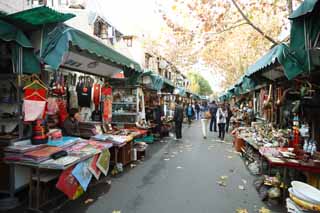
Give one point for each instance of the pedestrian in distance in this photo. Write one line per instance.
(230, 114)
(222, 115)
(178, 119)
(189, 113)
(205, 116)
(213, 111)
(197, 109)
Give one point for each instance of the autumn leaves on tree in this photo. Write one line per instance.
(226, 35)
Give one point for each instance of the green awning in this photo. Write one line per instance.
(305, 8)
(278, 54)
(36, 17)
(9, 33)
(156, 80)
(247, 85)
(59, 39)
(304, 35)
(168, 83)
(180, 91)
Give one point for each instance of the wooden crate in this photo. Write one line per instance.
(124, 154)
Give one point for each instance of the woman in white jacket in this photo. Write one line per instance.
(222, 115)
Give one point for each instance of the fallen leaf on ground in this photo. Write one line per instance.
(133, 165)
(222, 183)
(264, 210)
(244, 181)
(116, 211)
(224, 177)
(172, 156)
(230, 157)
(180, 151)
(242, 211)
(241, 187)
(179, 167)
(166, 159)
(88, 201)
(174, 153)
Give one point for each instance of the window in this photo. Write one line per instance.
(63, 2)
(128, 40)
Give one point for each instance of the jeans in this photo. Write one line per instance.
(222, 128)
(213, 123)
(227, 124)
(178, 128)
(189, 120)
(198, 115)
(204, 125)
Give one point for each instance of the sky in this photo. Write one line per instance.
(139, 17)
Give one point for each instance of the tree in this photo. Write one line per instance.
(199, 85)
(216, 32)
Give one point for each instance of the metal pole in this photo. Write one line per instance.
(19, 73)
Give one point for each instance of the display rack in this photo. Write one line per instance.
(127, 105)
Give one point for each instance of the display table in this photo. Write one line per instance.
(48, 170)
(285, 164)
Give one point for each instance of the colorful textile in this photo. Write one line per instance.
(33, 109)
(96, 95)
(107, 103)
(68, 184)
(103, 161)
(93, 167)
(82, 174)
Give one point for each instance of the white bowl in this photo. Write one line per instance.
(301, 196)
(309, 192)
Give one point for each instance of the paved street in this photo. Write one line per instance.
(177, 177)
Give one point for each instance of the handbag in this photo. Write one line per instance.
(207, 115)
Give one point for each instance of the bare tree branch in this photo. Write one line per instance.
(290, 6)
(252, 24)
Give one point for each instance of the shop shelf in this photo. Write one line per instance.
(124, 113)
(124, 103)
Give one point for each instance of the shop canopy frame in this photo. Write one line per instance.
(35, 18)
(68, 47)
(279, 54)
(305, 35)
(23, 57)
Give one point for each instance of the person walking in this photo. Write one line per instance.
(189, 113)
(205, 116)
(222, 115)
(213, 111)
(158, 114)
(230, 114)
(178, 119)
(197, 109)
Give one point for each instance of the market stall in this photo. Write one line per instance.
(76, 75)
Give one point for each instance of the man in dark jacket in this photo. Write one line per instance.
(213, 111)
(178, 119)
(71, 124)
(158, 114)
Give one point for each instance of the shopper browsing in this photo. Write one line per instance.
(213, 111)
(189, 113)
(222, 115)
(178, 119)
(205, 116)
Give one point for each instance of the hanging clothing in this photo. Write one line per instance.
(96, 95)
(107, 103)
(84, 95)
(73, 97)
